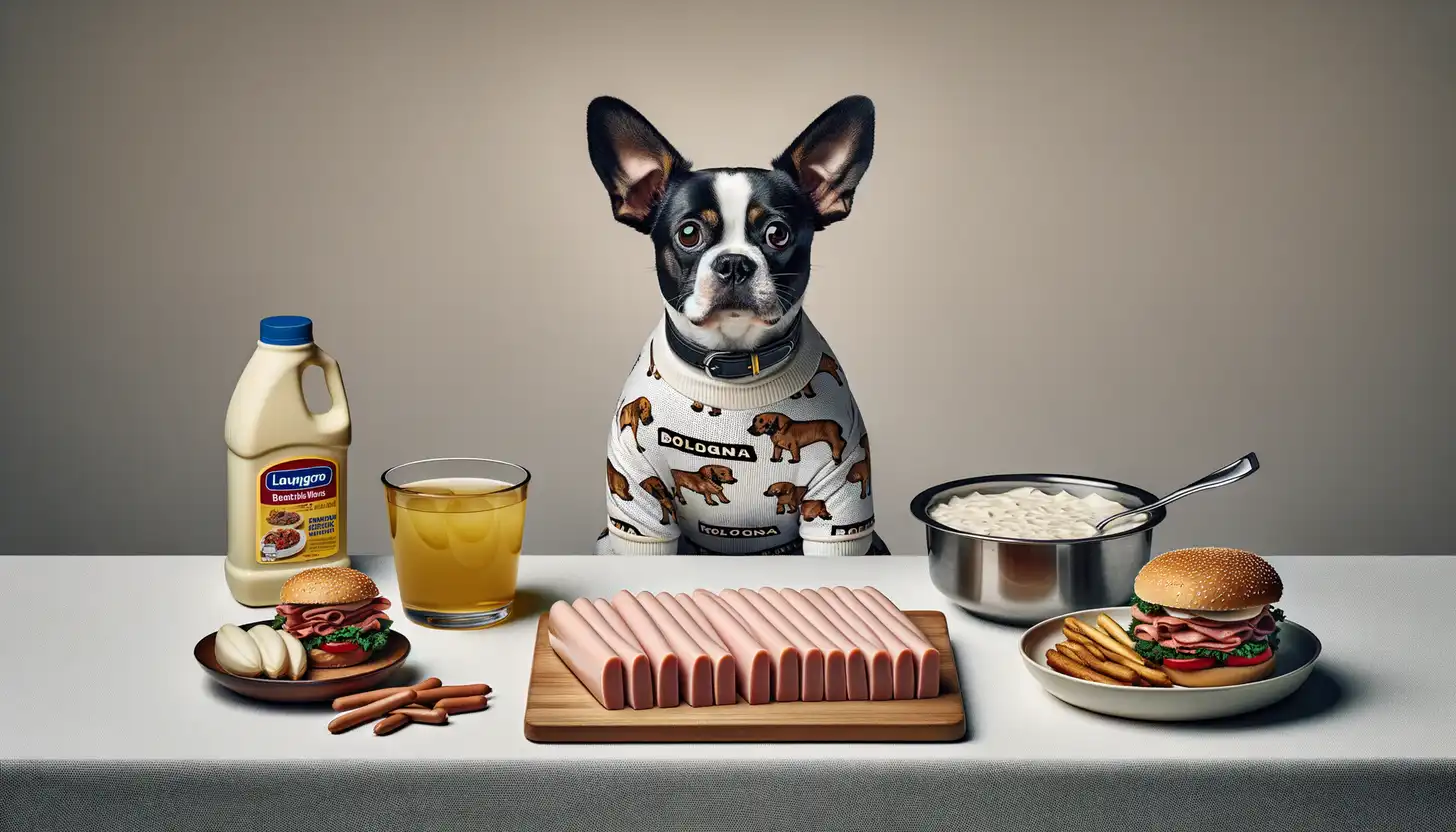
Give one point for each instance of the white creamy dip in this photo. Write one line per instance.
(1031, 514)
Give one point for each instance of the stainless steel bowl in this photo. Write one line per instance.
(1026, 581)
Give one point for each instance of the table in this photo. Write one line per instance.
(112, 725)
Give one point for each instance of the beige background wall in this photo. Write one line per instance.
(1133, 240)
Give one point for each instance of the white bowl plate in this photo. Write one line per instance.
(1298, 650)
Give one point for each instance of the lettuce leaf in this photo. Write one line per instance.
(370, 641)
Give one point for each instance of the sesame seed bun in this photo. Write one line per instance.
(1208, 579)
(329, 585)
(323, 658)
(1216, 677)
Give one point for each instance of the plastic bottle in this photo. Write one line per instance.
(287, 466)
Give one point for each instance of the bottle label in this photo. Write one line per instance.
(298, 511)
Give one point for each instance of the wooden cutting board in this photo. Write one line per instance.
(559, 709)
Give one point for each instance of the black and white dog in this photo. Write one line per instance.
(727, 407)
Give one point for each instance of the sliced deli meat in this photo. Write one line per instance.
(783, 658)
(636, 667)
(640, 649)
(901, 657)
(879, 662)
(614, 620)
(665, 674)
(836, 681)
(927, 658)
(691, 608)
(811, 655)
(753, 665)
(695, 669)
(305, 620)
(856, 678)
(725, 669)
(1189, 634)
(889, 605)
(590, 659)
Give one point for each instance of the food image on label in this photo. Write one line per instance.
(298, 510)
(285, 519)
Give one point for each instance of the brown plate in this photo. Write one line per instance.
(317, 684)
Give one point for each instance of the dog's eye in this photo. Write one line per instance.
(689, 235)
(776, 234)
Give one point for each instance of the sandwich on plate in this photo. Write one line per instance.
(1205, 616)
(337, 613)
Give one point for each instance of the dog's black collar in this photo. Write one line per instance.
(720, 364)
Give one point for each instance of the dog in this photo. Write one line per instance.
(634, 413)
(811, 510)
(828, 364)
(860, 471)
(617, 483)
(731, 364)
(791, 436)
(659, 492)
(707, 481)
(789, 496)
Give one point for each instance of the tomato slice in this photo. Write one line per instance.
(1245, 661)
(338, 647)
(1191, 663)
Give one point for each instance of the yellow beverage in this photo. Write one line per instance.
(457, 548)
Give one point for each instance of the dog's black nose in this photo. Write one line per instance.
(733, 268)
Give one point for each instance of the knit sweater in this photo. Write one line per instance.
(738, 467)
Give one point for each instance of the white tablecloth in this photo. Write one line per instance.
(112, 725)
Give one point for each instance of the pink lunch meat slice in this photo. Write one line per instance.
(784, 658)
(754, 667)
(856, 677)
(725, 669)
(879, 663)
(836, 677)
(811, 656)
(901, 657)
(614, 619)
(590, 659)
(636, 667)
(695, 669)
(927, 658)
(664, 661)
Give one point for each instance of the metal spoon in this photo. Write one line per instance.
(1231, 473)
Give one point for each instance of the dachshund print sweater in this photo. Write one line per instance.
(700, 465)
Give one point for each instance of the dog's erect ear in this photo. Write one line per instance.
(831, 155)
(633, 160)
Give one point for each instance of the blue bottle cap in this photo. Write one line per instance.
(286, 331)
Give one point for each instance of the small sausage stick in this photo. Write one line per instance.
(434, 695)
(390, 724)
(356, 700)
(1110, 627)
(428, 716)
(372, 711)
(461, 704)
(1066, 666)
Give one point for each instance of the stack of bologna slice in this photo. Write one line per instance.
(773, 645)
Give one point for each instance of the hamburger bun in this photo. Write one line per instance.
(1209, 579)
(323, 658)
(1220, 676)
(329, 585)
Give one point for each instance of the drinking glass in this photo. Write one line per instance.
(456, 527)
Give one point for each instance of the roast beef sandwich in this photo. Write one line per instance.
(1206, 617)
(337, 613)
